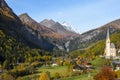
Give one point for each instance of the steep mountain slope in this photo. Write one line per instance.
(59, 28)
(47, 23)
(11, 40)
(43, 30)
(92, 36)
(12, 26)
(69, 27)
(41, 35)
(9, 22)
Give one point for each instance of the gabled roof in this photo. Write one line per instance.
(112, 45)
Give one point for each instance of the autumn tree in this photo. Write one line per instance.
(106, 73)
(44, 76)
(118, 74)
(59, 61)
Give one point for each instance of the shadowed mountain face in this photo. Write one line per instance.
(54, 33)
(43, 35)
(48, 34)
(8, 19)
(11, 25)
(32, 33)
(88, 38)
(41, 29)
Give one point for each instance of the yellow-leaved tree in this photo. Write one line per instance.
(44, 76)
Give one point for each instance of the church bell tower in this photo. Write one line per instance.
(107, 49)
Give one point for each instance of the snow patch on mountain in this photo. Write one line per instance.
(69, 27)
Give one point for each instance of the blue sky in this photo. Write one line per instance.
(82, 14)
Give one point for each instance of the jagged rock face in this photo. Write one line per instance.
(47, 23)
(36, 33)
(43, 35)
(41, 29)
(92, 36)
(59, 28)
(54, 33)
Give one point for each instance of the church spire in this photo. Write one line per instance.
(110, 50)
(107, 34)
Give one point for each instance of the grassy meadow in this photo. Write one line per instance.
(64, 73)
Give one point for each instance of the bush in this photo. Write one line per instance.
(67, 62)
(106, 73)
(70, 68)
(44, 76)
(36, 64)
(117, 73)
(48, 73)
(64, 75)
(22, 70)
(75, 73)
(59, 62)
(7, 77)
(56, 75)
(19, 72)
(6, 64)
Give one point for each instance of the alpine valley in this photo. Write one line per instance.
(28, 47)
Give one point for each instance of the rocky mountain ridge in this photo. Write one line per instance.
(12, 26)
(28, 31)
(90, 37)
(60, 28)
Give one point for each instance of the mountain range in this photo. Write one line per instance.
(61, 29)
(90, 37)
(49, 34)
(30, 32)
(55, 34)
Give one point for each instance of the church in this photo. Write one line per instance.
(110, 50)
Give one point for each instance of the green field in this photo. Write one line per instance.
(63, 69)
(39, 70)
(53, 70)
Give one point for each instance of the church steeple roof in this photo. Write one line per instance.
(108, 34)
(112, 45)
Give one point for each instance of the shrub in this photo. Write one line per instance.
(75, 73)
(6, 64)
(59, 62)
(64, 74)
(22, 70)
(106, 73)
(48, 73)
(70, 68)
(36, 64)
(117, 73)
(67, 62)
(7, 76)
(56, 75)
(44, 76)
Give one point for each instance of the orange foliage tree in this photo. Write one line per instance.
(106, 73)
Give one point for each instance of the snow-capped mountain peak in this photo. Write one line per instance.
(69, 27)
(65, 24)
